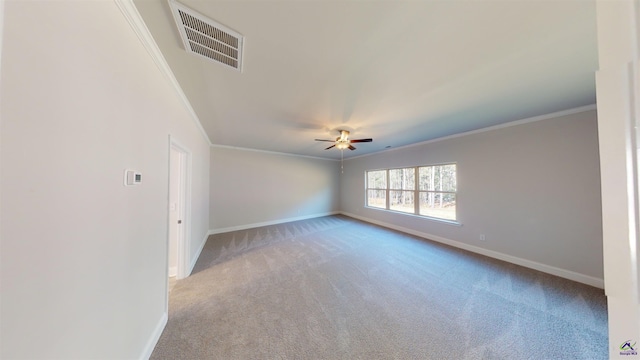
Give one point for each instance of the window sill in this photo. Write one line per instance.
(444, 221)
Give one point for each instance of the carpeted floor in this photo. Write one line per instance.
(337, 288)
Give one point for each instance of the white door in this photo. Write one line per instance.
(175, 210)
(178, 210)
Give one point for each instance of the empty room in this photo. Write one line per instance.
(190, 179)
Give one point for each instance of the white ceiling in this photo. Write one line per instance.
(400, 72)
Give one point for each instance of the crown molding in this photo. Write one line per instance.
(271, 152)
(130, 12)
(491, 128)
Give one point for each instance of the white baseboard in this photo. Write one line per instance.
(155, 336)
(173, 271)
(267, 223)
(563, 273)
(194, 260)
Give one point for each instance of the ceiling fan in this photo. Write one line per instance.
(342, 142)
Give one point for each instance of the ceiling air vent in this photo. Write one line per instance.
(207, 38)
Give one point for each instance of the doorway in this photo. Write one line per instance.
(178, 208)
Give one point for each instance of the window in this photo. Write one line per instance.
(438, 191)
(401, 189)
(428, 191)
(377, 189)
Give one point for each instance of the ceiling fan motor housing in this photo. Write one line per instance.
(342, 142)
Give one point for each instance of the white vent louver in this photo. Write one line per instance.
(204, 37)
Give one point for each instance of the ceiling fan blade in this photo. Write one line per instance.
(351, 147)
(361, 140)
(330, 147)
(325, 140)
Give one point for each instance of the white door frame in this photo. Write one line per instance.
(184, 205)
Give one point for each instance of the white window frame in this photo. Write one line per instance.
(367, 188)
(416, 204)
(416, 190)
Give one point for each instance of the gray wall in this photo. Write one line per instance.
(250, 188)
(532, 189)
(83, 258)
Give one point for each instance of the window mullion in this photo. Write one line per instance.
(388, 190)
(416, 194)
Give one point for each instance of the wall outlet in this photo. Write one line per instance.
(482, 238)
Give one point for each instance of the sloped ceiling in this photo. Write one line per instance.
(400, 72)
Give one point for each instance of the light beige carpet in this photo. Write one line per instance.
(337, 288)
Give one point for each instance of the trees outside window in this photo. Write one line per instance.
(401, 189)
(438, 191)
(377, 189)
(428, 191)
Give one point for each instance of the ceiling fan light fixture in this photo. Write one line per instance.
(342, 144)
(344, 135)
